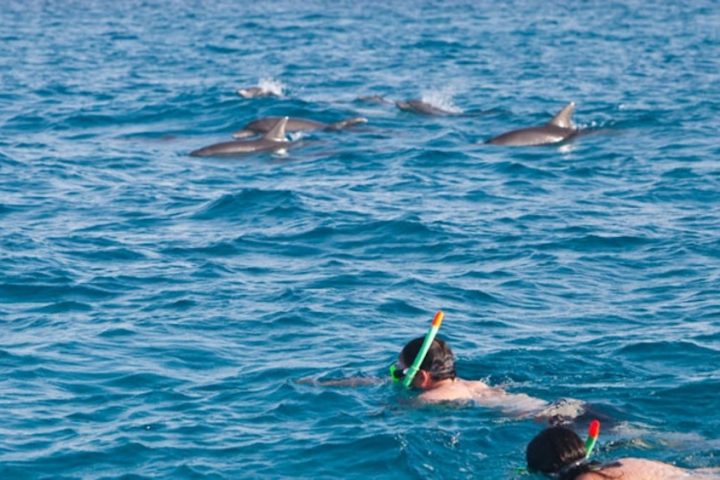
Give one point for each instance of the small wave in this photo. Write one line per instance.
(65, 307)
(254, 200)
(216, 249)
(41, 293)
(674, 351)
(116, 332)
(594, 243)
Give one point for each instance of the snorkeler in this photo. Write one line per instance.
(559, 452)
(428, 364)
(439, 382)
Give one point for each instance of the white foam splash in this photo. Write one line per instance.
(441, 99)
(566, 148)
(272, 86)
(295, 136)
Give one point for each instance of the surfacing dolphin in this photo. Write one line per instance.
(263, 125)
(424, 108)
(255, 92)
(559, 129)
(273, 141)
(378, 99)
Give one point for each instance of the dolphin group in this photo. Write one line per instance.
(264, 125)
(559, 129)
(271, 131)
(273, 141)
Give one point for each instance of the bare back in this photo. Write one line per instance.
(484, 395)
(639, 469)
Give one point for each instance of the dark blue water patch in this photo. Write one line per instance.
(177, 358)
(599, 243)
(12, 360)
(399, 308)
(674, 355)
(120, 254)
(434, 157)
(35, 292)
(217, 249)
(251, 202)
(72, 461)
(486, 275)
(64, 307)
(691, 400)
(7, 209)
(141, 382)
(117, 332)
(181, 305)
(681, 172)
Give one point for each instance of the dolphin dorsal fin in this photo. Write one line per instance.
(563, 119)
(277, 133)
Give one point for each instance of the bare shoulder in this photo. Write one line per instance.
(591, 476)
(479, 385)
(638, 469)
(712, 473)
(459, 390)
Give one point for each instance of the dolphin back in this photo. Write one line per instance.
(526, 137)
(261, 125)
(265, 124)
(347, 123)
(559, 129)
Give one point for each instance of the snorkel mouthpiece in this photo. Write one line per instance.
(593, 433)
(393, 375)
(429, 337)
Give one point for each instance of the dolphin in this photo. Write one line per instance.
(559, 129)
(274, 141)
(379, 99)
(263, 125)
(418, 106)
(255, 92)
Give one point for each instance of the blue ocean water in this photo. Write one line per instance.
(158, 311)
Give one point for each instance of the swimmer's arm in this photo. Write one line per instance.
(343, 382)
(706, 471)
(518, 405)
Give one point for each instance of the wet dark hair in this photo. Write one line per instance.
(558, 451)
(439, 361)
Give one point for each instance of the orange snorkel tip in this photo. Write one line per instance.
(437, 321)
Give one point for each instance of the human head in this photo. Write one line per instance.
(439, 363)
(556, 450)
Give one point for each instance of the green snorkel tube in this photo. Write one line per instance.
(415, 367)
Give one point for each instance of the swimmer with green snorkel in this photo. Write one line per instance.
(428, 364)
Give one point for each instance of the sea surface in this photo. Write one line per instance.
(170, 317)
